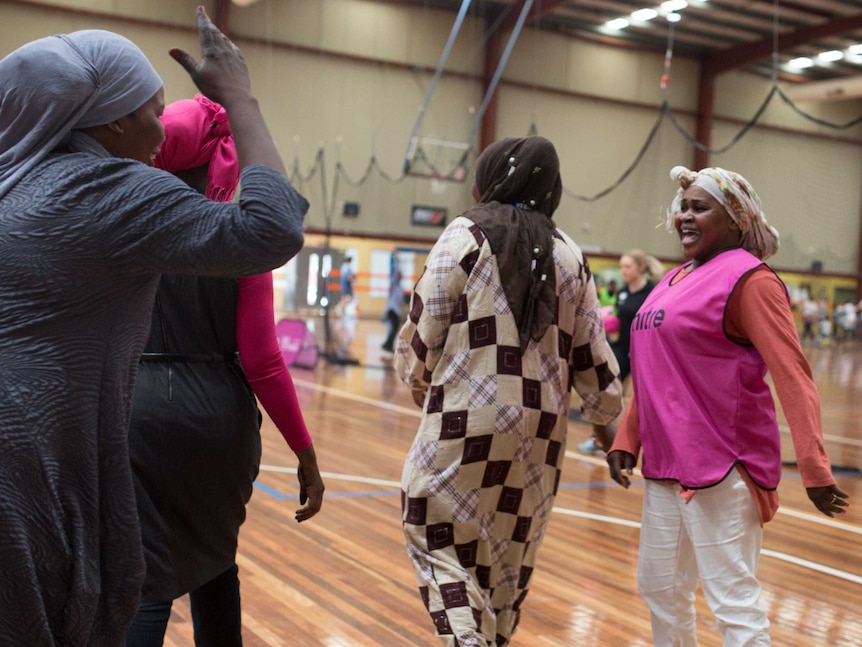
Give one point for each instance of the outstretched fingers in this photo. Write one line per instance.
(185, 59)
(214, 43)
(829, 499)
(206, 28)
(221, 73)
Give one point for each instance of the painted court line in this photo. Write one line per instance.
(336, 477)
(820, 568)
(415, 413)
(814, 566)
(594, 460)
(597, 517)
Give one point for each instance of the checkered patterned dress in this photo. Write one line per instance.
(480, 479)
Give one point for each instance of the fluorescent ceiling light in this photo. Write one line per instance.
(800, 63)
(673, 17)
(855, 49)
(674, 5)
(831, 55)
(617, 24)
(644, 14)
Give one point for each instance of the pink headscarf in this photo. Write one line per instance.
(196, 132)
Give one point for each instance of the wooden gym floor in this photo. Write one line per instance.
(343, 579)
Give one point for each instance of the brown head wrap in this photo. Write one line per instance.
(520, 187)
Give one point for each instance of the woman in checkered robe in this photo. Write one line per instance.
(504, 322)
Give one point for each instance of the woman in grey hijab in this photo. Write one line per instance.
(87, 226)
(85, 79)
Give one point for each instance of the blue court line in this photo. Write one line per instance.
(329, 495)
(565, 486)
(394, 492)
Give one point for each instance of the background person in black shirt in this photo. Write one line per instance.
(640, 272)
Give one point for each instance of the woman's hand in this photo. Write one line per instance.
(222, 74)
(310, 485)
(419, 397)
(621, 464)
(828, 499)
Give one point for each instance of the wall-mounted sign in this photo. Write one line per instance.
(428, 216)
(350, 209)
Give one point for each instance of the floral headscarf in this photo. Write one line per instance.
(738, 198)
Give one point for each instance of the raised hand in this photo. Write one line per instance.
(221, 74)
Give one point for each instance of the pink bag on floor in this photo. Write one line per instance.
(297, 343)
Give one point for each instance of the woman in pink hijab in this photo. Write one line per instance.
(194, 437)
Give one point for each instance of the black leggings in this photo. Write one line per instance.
(622, 355)
(215, 614)
(394, 319)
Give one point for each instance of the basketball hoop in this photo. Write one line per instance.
(438, 160)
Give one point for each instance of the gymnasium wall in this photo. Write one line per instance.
(342, 83)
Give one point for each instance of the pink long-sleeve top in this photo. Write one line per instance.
(757, 312)
(263, 362)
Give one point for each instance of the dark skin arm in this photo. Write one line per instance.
(604, 436)
(223, 77)
(762, 294)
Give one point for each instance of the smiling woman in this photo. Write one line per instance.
(716, 210)
(704, 416)
(704, 227)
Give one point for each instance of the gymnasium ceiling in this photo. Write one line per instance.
(725, 34)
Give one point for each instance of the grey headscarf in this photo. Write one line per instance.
(53, 85)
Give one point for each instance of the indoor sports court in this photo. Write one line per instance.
(379, 110)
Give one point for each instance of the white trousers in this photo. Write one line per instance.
(714, 539)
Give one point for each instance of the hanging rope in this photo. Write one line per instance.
(296, 176)
(668, 57)
(628, 171)
(817, 120)
(666, 105)
(736, 138)
(785, 98)
(420, 156)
